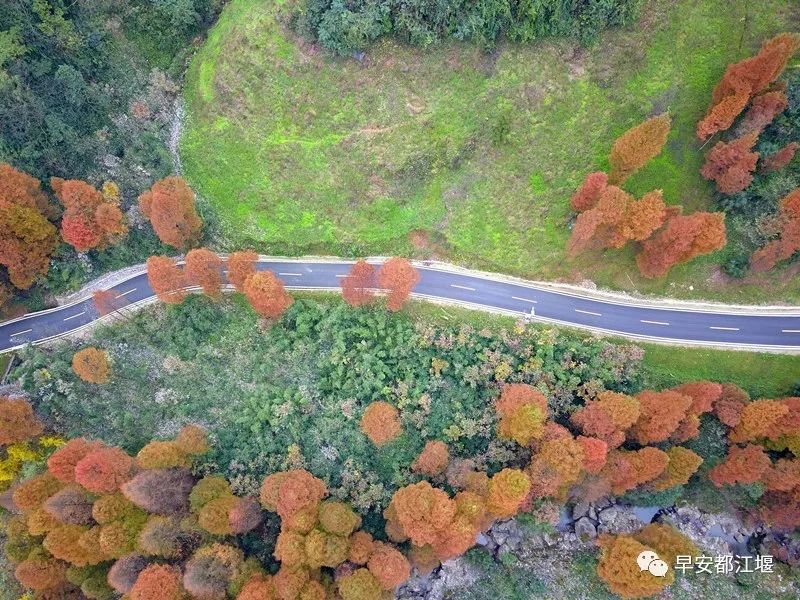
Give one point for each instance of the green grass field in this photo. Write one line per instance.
(452, 153)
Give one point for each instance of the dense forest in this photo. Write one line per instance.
(347, 27)
(87, 92)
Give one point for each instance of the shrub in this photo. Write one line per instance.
(70, 506)
(17, 421)
(360, 585)
(388, 566)
(92, 365)
(619, 570)
(507, 492)
(161, 491)
(158, 582)
(125, 571)
(381, 423)
(433, 459)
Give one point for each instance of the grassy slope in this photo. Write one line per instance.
(302, 153)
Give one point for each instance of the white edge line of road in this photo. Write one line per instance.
(462, 304)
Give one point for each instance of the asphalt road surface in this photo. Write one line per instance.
(683, 326)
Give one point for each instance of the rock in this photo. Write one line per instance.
(482, 540)
(592, 513)
(608, 515)
(585, 529)
(581, 509)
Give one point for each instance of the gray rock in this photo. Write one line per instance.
(608, 515)
(585, 529)
(581, 509)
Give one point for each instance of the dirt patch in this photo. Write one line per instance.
(419, 238)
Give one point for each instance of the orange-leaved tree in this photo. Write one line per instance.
(634, 148)
(17, 421)
(266, 294)
(167, 279)
(433, 459)
(742, 465)
(398, 277)
(170, 207)
(92, 365)
(108, 301)
(240, 266)
(27, 237)
(203, 268)
(381, 423)
(522, 411)
(608, 417)
(744, 80)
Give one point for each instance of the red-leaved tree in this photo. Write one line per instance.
(731, 164)
(90, 220)
(358, 287)
(680, 240)
(788, 243)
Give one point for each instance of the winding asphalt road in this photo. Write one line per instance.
(753, 330)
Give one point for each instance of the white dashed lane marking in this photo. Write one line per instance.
(291, 274)
(462, 287)
(125, 293)
(20, 332)
(725, 328)
(653, 322)
(523, 299)
(588, 312)
(790, 330)
(74, 316)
